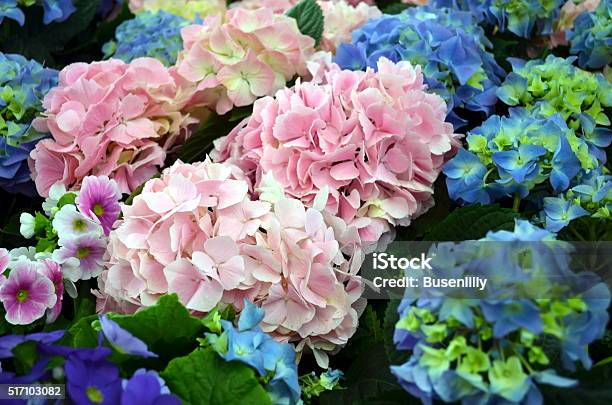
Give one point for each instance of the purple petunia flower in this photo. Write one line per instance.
(99, 199)
(91, 378)
(123, 340)
(53, 271)
(89, 249)
(26, 294)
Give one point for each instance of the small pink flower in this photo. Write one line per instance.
(99, 199)
(53, 272)
(88, 249)
(27, 294)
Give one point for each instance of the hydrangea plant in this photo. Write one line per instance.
(153, 34)
(449, 46)
(525, 18)
(496, 349)
(23, 84)
(54, 10)
(511, 155)
(591, 37)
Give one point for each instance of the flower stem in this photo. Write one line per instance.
(517, 202)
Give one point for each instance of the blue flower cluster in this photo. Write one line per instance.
(492, 350)
(591, 196)
(153, 34)
(591, 37)
(90, 377)
(273, 360)
(54, 10)
(525, 18)
(448, 45)
(511, 155)
(23, 84)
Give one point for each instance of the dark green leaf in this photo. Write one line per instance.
(203, 377)
(201, 142)
(67, 199)
(594, 389)
(309, 17)
(472, 223)
(394, 356)
(25, 357)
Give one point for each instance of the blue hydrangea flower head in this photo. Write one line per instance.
(591, 195)
(10, 9)
(555, 85)
(591, 37)
(23, 85)
(525, 18)
(249, 344)
(449, 46)
(511, 155)
(491, 349)
(153, 34)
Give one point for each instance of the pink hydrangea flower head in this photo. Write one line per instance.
(99, 199)
(375, 142)
(109, 119)
(341, 17)
(197, 232)
(26, 294)
(234, 58)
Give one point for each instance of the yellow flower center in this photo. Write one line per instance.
(98, 210)
(22, 295)
(83, 252)
(94, 395)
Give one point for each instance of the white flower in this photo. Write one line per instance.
(56, 192)
(70, 223)
(71, 266)
(28, 223)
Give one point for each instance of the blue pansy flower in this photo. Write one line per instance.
(122, 340)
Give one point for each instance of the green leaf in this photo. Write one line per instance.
(203, 377)
(25, 357)
(166, 327)
(201, 142)
(472, 223)
(394, 356)
(309, 17)
(394, 8)
(67, 199)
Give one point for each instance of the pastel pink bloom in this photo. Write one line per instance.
(232, 59)
(5, 257)
(26, 294)
(99, 199)
(196, 231)
(109, 119)
(341, 17)
(374, 142)
(53, 272)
